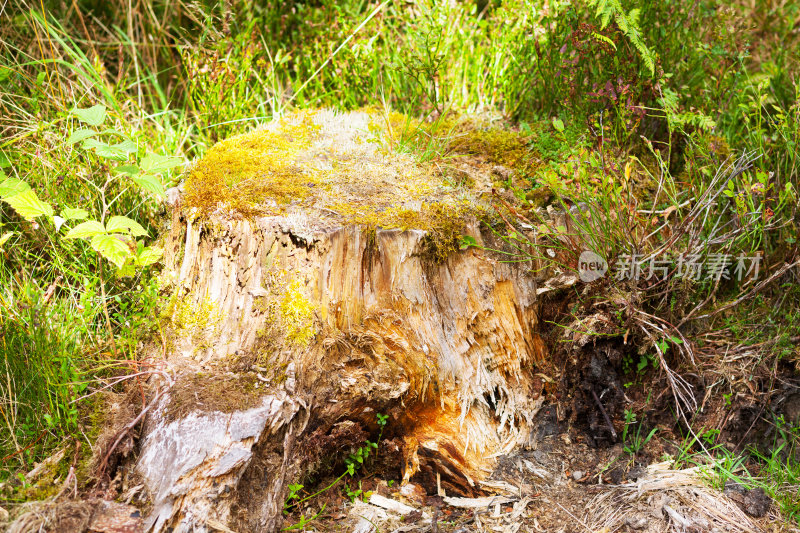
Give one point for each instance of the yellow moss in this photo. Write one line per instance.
(198, 320)
(297, 315)
(365, 167)
(445, 222)
(393, 128)
(242, 172)
(288, 313)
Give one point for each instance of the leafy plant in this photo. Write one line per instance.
(353, 463)
(634, 440)
(628, 23)
(115, 239)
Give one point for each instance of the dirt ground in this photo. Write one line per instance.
(561, 482)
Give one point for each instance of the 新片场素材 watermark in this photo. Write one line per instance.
(713, 266)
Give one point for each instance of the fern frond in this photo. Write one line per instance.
(628, 24)
(604, 39)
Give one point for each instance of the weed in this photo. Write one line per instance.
(634, 440)
(354, 462)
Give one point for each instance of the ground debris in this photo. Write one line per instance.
(666, 499)
(78, 516)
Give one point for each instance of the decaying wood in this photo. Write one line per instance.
(447, 348)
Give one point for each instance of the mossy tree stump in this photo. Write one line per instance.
(316, 281)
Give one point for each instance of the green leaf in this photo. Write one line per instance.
(86, 229)
(120, 224)
(466, 242)
(148, 256)
(130, 170)
(151, 184)
(558, 124)
(7, 235)
(603, 38)
(127, 145)
(80, 135)
(93, 116)
(69, 213)
(116, 152)
(29, 206)
(5, 162)
(126, 271)
(155, 163)
(12, 187)
(112, 248)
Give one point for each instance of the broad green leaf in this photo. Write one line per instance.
(155, 163)
(120, 224)
(130, 170)
(148, 256)
(127, 271)
(5, 162)
(86, 229)
(112, 248)
(558, 124)
(12, 186)
(70, 213)
(127, 145)
(151, 184)
(80, 135)
(467, 241)
(7, 235)
(29, 206)
(116, 152)
(93, 116)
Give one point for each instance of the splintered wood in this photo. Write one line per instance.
(339, 322)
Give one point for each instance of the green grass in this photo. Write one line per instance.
(629, 107)
(776, 471)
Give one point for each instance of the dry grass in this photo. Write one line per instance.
(674, 500)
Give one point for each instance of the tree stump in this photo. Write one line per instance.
(316, 282)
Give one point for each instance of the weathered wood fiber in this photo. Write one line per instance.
(447, 348)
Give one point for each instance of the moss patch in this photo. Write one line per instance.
(500, 146)
(198, 320)
(206, 392)
(242, 172)
(354, 168)
(288, 314)
(445, 222)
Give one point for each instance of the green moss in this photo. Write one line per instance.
(504, 147)
(197, 320)
(288, 313)
(242, 172)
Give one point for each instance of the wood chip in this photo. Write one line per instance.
(477, 503)
(390, 504)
